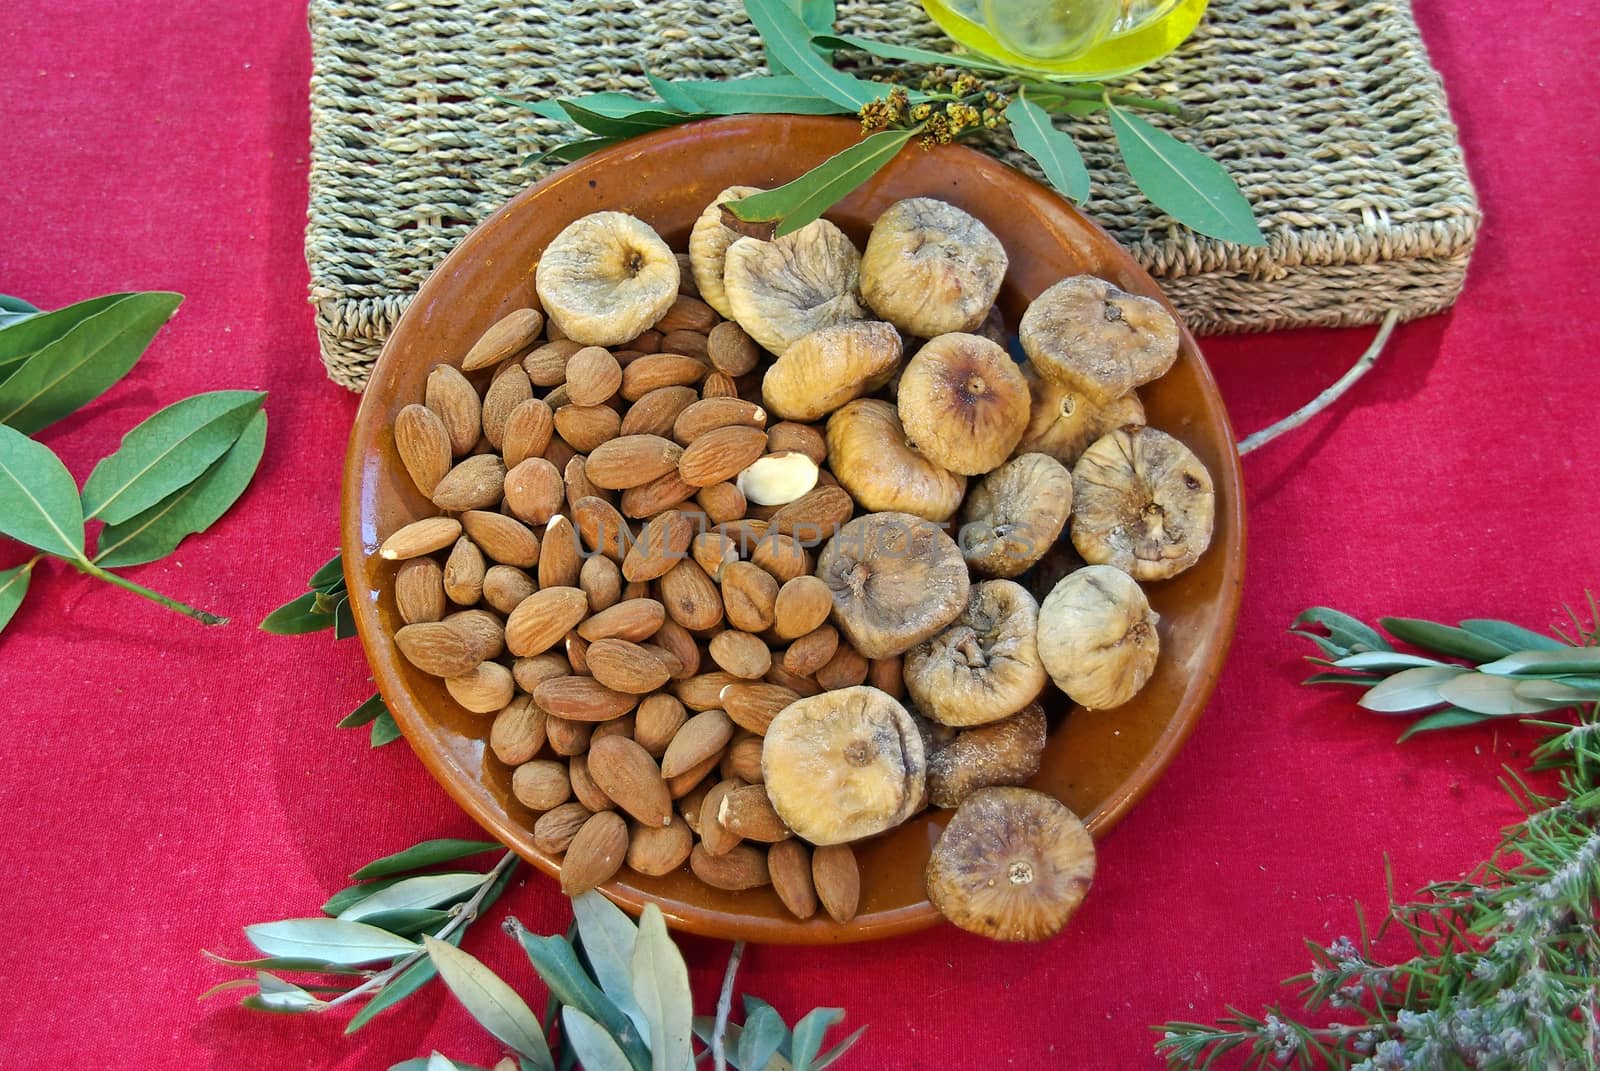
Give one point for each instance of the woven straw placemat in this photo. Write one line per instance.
(1326, 112)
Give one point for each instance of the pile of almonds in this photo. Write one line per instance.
(693, 624)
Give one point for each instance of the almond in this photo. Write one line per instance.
(722, 502)
(693, 777)
(423, 444)
(800, 438)
(741, 654)
(709, 414)
(743, 867)
(504, 586)
(534, 490)
(837, 880)
(420, 537)
(593, 376)
(657, 411)
(577, 652)
(576, 475)
(595, 854)
(582, 699)
(811, 652)
(743, 758)
(503, 396)
(542, 619)
(700, 738)
(719, 385)
(504, 539)
(750, 594)
(626, 667)
(789, 863)
(601, 580)
(745, 533)
(713, 552)
(717, 839)
(622, 726)
(419, 591)
(656, 370)
(631, 619)
(732, 352)
(680, 643)
(476, 483)
(535, 670)
(657, 721)
(559, 558)
(661, 493)
(658, 850)
(553, 832)
(802, 605)
(627, 773)
(511, 334)
(689, 314)
(845, 669)
(689, 805)
(541, 784)
(455, 402)
(463, 573)
(567, 737)
(720, 454)
(560, 452)
(704, 690)
(753, 704)
(583, 787)
(690, 597)
(748, 813)
(663, 543)
(527, 432)
(587, 426)
(782, 556)
(547, 365)
(684, 341)
(602, 527)
(517, 734)
(483, 632)
(648, 342)
(437, 648)
(801, 686)
(814, 517)
(886, 675)
(631, 460)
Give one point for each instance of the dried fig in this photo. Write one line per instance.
(843, 765)
(931, 268)
(871, 458)
(1097, 637)
(605, 278)
(1015, 514)
(986, 665)
(1086, 334)
(1142, 502)
(1004, 753)
(708, 245)
(788, 287)
(1013, 864)
(1063, 422)
(963, 402)
(828, 367)
(896, 580)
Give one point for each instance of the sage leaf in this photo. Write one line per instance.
(167, 451)
(1052, 150)
(83, 363)
(794, 204)
(788, 42)
(329, 576)
(275, 994)
(1486, 694)
(922, 56)
(591, 1042)
(397, 989)
(38, 500)
(363, 714)
(1384, 661)
(13, 586)
(1443, 638)
(661, 989)
(343, 944)
(833, 1054)
(1410, 689)
(557, 965)
(1549, 663)
(608, 936)
(385, 730)
(297, 617)
(1184, 182)
(493, 1003)
(18, 342)
(424, 890)
(761, 95)
(1345, 630)
(808, 1034)
(1511, 637)
(158, 530)
(764, 1031)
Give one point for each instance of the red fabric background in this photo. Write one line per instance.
(166, 783)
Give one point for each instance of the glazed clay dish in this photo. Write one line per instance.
(1099, 763)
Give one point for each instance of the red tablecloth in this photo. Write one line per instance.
(167, 783)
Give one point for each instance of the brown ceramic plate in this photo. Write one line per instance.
(1099, 763)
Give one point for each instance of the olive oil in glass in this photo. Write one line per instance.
(1074, 39)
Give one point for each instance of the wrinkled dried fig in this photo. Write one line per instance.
(871, 458)
(896, 580)
(605, 278)
(931, 268)
(983, 667)
(843, 765)
(1013, 864)
(828, 367)
(1142, 502)
(1086, 334)
(708, 245)
(1097, 637)
(1015, 515)
(1062, 422)
(1004, 753)
(963, 402)
(789, 287)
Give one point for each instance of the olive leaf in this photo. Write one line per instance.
(609, 937)
(794, 204)
(1566, 660)
(1384, 661)
(329, 576)
(298, 616)
(13, 309)
(13, 587)
(346, 944)
(1482, 693)
(491, 1001)
(1055, 152)
(828, 1058)
(788, 42)
(83, 362)
(1351, 634)
(661, 988)
(38, 501)
(1410, 689)
(275, 994)
(427, 853)
(1184, 182)
(557, 964)
(808, 1035)
(1511, 637)
(592, 1043)
(409, 921)
(763, 1033)
(1443, 638)
(423, 1063)
(385, 730)
(157, 531)
(167, 451)
(19, 342)
(399, 988)
(421, 891)
(364, 713)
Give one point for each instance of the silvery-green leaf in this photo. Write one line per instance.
(1511, 637)
(81, 364)
(1345, 631)
(1486, 694)
(351, 893)
(275, 994)
(1385, 661)
(808, 1034)
(420, 1063)
(38, 500)
(608, 936)
(661, 989)
(166, 451)
(19, 342)
(763, 1034)
(157, 531)
(1443, 638)
(491, 1001)
(1359, 679)
(438, 1061)
(424, 890)
(558, 967)
(827, 1058)
(408, 922)
(1184, 182)
(425, 853)
(788, 42)
(1448, 718)
(1326, 645)
(385, 730)
(1547, 663)
(364, 713)
(13, 309)
(399, 988)
(1055, 152)
(1410, 689)
(282, 963)
(13, 586)
(346, 944)
(764, 94)
(1570, 690)
(591, 1042)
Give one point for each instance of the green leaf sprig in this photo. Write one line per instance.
(1504, 963)
(956, 97)
(173, 475)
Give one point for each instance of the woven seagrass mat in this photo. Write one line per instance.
(1326, 112)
